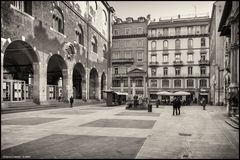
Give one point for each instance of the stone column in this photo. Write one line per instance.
(144, 87)
(129, 87)
(37, 83)
(98, 91)
(122, 85)
(65, 85)
(2, 104)
(87, 84)
(134, 88)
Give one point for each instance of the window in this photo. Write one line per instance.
(177, 44)
(125, 83)
(116, 32)
(165, 58)
(153, 45)
(190, 43)
(177, 83)
(165, 44)
(153, 58)
(190, 57)
(189, 70)
(203, 42)
(153, 71)
(128, 54)
(177, 71)
(165, 31)
(190, 30)
(127, 31)
(115, 70)
(139, 42)
(203, 70)
(153, 32)
(115, 55)
(203, 56)
(165, 83)
(165, 71)
(203, 83)
(140, 55)
(177, 31)
(139, 83)
(105, 17)
(190, 83)
(116, 44)
(139, 30)
(79, 35)
(116, 83)
(24, 6)
(153, 83)
(203, 29)
(105, 51)
(58, 21)
(127, 43)
(94, 44)
(178, 57)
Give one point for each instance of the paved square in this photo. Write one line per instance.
(121, 123)
(72, 112)
(28, 121)
(61, 146)
(138, 114)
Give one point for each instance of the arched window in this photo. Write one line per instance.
(94, 44)
(203, 42)
(190, 43)
(58, 21)
(165, 44)
(80, 36)
(177, 44)
(104, 51)
(153, 45)
(105, 17)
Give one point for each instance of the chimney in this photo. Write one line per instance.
(179, 16)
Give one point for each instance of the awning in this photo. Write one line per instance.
(181, 93)
(165, 93)
(203, 94)
(121, 93)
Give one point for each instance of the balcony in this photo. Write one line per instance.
(176, 63)
(122, 60)
(120, 75)
(203, 62)
(153, 64)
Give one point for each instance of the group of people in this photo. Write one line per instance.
(176, 106)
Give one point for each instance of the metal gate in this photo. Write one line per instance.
(54, 92)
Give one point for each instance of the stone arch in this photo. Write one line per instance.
(57, 78)
(103, 85)
(20, 62)
(93, 84)
(79, 81)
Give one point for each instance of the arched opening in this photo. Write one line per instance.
(105, 51)
(56, 78)
(94, 44)
(20, 72)
(58, 20)
(93, 84)
(79, 82)
(103, 85)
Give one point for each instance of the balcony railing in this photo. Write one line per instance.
(203, 62)
(184, 75)
(153, 63)
(123, 60)
(177, 62)
(119, 75)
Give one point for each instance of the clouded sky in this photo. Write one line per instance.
(159, 9)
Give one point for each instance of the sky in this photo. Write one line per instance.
(163, 9)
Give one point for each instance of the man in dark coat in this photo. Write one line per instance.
(71, 101)
(178, 106)
(175, 103)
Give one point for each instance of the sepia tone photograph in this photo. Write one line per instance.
(119, 79)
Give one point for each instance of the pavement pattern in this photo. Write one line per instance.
(97, 131)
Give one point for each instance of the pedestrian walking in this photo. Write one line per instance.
(71, 101)
(204, 103)
(157, 103)
(178, 106)
(174, 106)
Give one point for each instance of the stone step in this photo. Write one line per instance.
(235, 120)
(231, 123)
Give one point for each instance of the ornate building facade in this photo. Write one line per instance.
(129, 56)
(178, 56)
(51, 50)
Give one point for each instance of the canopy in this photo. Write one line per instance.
(181, 93)
(121, 93)
(164, 93)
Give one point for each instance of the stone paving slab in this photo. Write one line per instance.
(28, 121)
(72, 112)
(138, 114)
(59, 146)
(121, 123)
